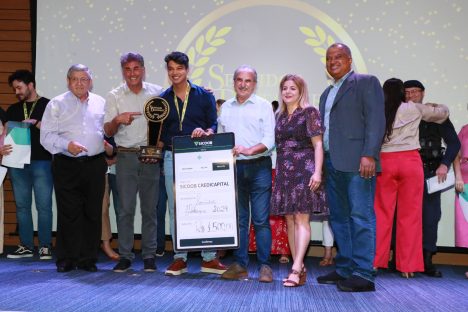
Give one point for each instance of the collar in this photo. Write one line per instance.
(171, 88)
(78, 99)
(127, 90)
(339, 82)
(250, 99)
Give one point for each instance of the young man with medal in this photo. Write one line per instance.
(192, 112)
(35, 176)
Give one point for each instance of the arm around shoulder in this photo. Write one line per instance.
(437, 113)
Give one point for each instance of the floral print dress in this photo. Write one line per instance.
(295, 165)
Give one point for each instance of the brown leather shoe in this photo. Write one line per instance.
(266, 274)
(235, 272)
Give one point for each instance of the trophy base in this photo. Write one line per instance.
(150, 152)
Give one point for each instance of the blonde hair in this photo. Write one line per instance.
(303, 93)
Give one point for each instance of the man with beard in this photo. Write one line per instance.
(36, 175)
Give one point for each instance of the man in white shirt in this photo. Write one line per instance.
(251, 119)
(124, 121)
(71, 130)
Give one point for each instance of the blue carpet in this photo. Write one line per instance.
(33, 285)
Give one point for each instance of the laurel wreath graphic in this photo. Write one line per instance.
(205, 46)
(318, 39)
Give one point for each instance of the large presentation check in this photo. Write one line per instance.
(205, 193)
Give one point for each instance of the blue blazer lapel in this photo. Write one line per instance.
(345, 87)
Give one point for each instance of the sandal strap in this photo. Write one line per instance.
(295, 272)
(293, 283)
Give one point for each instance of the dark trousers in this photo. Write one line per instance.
(161, 214)
(431, 217)
(79, 189)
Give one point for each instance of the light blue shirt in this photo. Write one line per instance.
(335, 87)
(252, 122)
(67, 119)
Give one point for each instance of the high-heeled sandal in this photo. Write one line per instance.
(326, 261)
(302, 279)
(304, 270)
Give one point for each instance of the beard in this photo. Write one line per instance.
(24, 96)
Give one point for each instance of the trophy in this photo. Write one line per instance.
(156, 110)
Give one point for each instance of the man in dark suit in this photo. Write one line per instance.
(352, 110)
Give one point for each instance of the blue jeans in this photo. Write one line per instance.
(169, 179)
(352, 218)
(36, 176)
(253, 198)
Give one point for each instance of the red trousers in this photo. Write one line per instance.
(400, 187)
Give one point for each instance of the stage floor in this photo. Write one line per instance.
(33, 285)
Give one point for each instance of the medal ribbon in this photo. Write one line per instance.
(25, 109)
(184, 107)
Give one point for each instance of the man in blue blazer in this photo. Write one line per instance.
(352, 110)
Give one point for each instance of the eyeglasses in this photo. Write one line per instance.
(82, 80)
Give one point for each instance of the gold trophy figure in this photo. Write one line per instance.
(156, 110)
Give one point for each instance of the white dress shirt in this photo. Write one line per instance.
(67, 119)
(252, 122)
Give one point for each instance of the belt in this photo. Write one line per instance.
(253, 160)
(79, 158)
(122, 149)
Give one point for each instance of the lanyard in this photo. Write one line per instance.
(26, 116)
(184, 107)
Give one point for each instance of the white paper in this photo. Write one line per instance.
(20, 154)
(19, 137)
(205, 193)
(433, 184)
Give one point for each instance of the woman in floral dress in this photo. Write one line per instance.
(298, 191)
